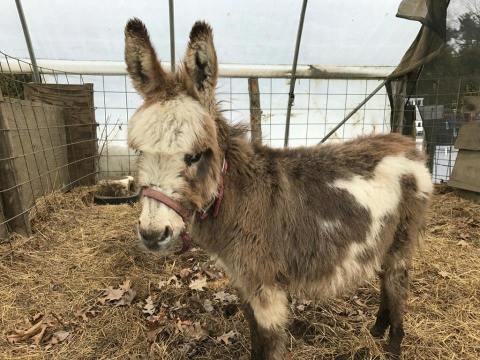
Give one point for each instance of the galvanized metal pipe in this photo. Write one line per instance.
(291, 93)
(36, 75)
(88, 67)
(172, 34)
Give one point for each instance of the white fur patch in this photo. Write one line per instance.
(165, 132)
(167, 127)
(381, 195)
(160, 172)
(270, 307)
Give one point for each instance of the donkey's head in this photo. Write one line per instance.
(174, 131)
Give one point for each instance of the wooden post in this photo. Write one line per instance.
(10, 197)
(255, 111)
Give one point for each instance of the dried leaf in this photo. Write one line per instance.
(227, 337)
(149, 308)
(191, 330)
(155, 320)
(161, 284)
(112, 294)
(198, 284)
(225, 297)
(185, 273)
(59, 336)
(124, 295)
(19, 335)
(197, 332)
(207, 305)
(127, 298)
(40, 333)
(37, 339)
(174, 282)
(37, 317)
(213, 275)
(86, 313)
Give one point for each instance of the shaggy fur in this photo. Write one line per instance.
(315, 220)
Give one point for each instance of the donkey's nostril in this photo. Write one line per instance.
(149, 236)
(167, 233)
(153, 238)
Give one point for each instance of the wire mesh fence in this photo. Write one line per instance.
(48, 141)
(72, 129)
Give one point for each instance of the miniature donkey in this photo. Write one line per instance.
(314, 221)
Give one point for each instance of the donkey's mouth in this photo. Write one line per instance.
(163, 245)
(154, 243)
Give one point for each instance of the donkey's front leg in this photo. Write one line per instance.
(267, 314)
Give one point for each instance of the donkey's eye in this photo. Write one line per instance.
(192, 159)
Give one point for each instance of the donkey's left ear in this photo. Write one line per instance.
(201, 62)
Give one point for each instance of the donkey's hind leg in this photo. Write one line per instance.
(396, 288)
(383, 315)
(394, 279)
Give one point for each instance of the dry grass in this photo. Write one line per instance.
(79, 249)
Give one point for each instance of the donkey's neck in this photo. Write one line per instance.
(243, 169)
(237, 148)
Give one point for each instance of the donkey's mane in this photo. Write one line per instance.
(230, 133)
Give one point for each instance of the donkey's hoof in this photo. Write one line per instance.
(393, 352)
(361, 354)
(378, 332)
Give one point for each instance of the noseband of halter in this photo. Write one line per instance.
(186, 214)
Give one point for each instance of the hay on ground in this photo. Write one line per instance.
(89, 291)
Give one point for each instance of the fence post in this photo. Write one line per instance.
(255, 111)
(36, 75)
(293, 75)
(172, 34)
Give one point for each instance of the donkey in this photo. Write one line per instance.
(314, 221)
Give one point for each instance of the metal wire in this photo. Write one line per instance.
(320, 106)
(31, 136)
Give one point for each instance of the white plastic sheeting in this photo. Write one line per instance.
(351, 32)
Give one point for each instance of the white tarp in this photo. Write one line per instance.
(353, 32)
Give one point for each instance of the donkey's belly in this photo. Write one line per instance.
(358, 263)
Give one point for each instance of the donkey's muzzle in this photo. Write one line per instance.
(155, 240)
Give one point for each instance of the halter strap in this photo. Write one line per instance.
(185, 213)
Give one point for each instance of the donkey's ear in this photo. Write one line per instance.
(201, 62)
(143, 66)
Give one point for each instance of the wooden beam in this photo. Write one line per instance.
(255, 111)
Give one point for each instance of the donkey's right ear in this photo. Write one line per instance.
(143, 66)
(201, 62)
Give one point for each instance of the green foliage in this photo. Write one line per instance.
(468, 34)
(456, 72)
(11, 85)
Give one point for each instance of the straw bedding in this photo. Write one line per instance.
(81, 288)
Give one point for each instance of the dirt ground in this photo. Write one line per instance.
(81, 288)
